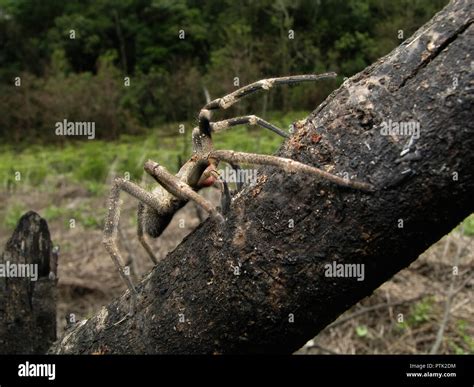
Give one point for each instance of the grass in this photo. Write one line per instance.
(466, 339)
(53, 212)
(90, 162)
(468, 225)
(420, 313)
(13, 214)
(361, 330)
(82, 215)
(39, 168)
(95, 188)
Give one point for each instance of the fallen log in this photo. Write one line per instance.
(260, 282)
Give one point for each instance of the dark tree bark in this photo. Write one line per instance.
(193, 302)
(28, 307)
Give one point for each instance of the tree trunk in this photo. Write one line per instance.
(28, 290)
(257, 284)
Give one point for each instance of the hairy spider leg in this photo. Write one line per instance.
(169, 182)
(141, 234)
(220, 126)
(287, 165)
(264, 84)
(111, 226)
(179, 188)
(205, 126)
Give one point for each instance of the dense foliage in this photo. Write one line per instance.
(72, 56)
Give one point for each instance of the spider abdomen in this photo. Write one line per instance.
(156, 221)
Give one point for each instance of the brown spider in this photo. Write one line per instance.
(157, 208)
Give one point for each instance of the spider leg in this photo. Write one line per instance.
(288, 165)
(264, 84)
(112, 221)
(237, 169)
(226, 199)
(179, 188)
(141, 234)
(202, 141)
(220, 126)
(199, 213)
(131, 260)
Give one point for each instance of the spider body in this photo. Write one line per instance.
(157, 208)
(196, 174)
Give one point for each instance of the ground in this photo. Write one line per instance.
(401, 317)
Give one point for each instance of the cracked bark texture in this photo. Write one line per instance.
(192, 302)
(28, 308)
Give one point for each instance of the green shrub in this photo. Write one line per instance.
(13, 214)
(53, 212)
(93, 168)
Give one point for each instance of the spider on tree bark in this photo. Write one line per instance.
(157, 208)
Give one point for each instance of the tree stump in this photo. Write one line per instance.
(28, 292)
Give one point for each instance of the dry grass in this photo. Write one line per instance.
(418, 295)
(88, 279)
